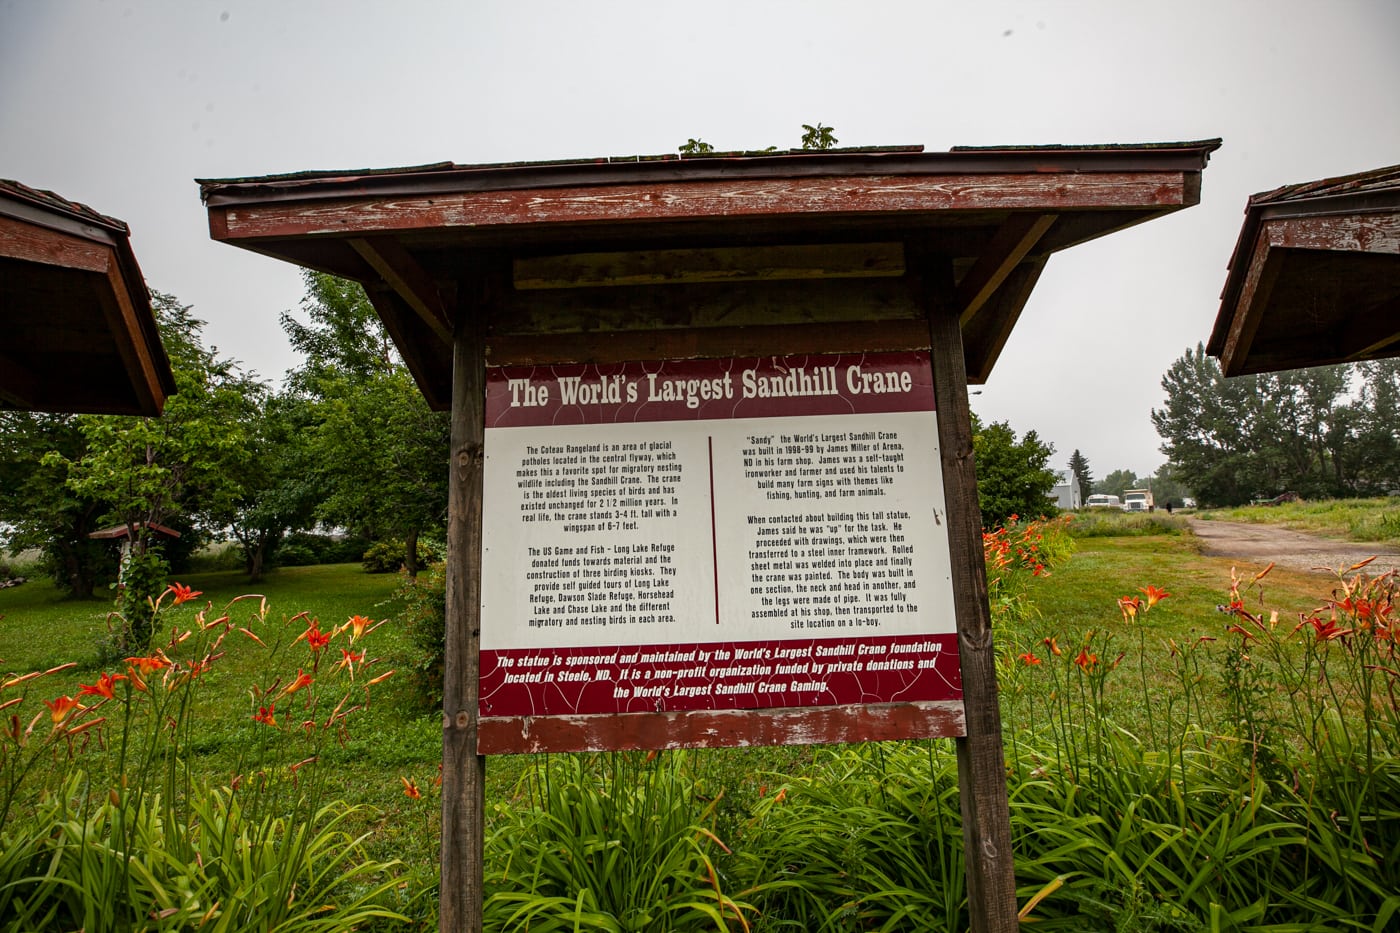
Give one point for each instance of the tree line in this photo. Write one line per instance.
(1324, 432)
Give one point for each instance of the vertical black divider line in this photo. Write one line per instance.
(714, 540)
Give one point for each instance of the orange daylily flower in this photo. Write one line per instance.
(1085, 660)
(1154, 595)
(103, 687)
(183, 594)
(315, 638)
(1054, 648)
(147, 666)
(1129, 605)
(303, 680)
(1029, 659)
(267, 715)
(410, 788)
(357, 626)
(349, 659)
(61, 708)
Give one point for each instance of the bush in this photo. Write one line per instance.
(425, 615)
(1107, 523)
(388, 556)
(306, 548)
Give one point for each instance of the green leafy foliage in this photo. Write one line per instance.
(1013, 474)
(818, 137)
(610, 843)
(694, 146)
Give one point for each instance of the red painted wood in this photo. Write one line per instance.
(720, 728)
(827, 197)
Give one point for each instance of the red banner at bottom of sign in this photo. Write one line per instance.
(797, 673)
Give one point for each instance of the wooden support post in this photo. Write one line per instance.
(991, 875)
(463, 770)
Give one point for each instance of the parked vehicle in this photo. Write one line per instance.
(1100, 501)
(1138, 500)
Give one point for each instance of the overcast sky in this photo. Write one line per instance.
(120, 105)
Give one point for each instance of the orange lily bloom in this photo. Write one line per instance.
(1129, 606)
(62, 707)
(1029, 659)
(1054, 648)
(183, 594)
(303, 680)
(266, 715)
(410, 788)
(1085, 660)
(103, 687)
(357, 625)
(349, 659)
(1154, 595)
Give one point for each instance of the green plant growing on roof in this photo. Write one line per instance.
(818, 137)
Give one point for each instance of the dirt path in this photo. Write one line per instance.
(1263, 544)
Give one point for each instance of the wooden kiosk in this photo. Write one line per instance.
(1315, 277)
(570, 313)
(76, 329)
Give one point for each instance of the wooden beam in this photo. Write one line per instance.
(721, 304)
(1355, 233)
(1017, 237)
(32, 243)
(397, 267)
(721, 728)
(138, 358)
(461, 897)
(991, 871)
(902, 195)
(722, 264)
(986, 334)
(1248, 312)
(712, 342)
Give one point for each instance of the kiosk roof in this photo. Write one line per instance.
(643, 257)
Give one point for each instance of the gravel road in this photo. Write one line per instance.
(1262, 544)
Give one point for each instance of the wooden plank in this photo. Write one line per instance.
(31, 243)
(397, 267)
(720, 728)
(1357, 233)
(991, 876)
(823, 198)
(417, 344)
(1262, 274)
(1017, 237)
(642, 307)
(142, 369)
(461, 896)
(719, 264)
(708, 343)
(986, 334)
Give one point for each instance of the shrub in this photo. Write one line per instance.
(388, 556)
(424, 601)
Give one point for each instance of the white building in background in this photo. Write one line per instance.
(1066, 495)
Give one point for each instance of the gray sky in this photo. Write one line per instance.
(121, 105)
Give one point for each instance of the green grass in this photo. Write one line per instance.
(1348, 519)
